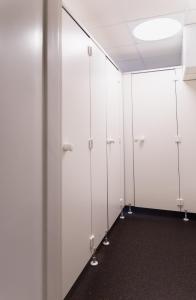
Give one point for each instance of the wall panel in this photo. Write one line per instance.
(21, 180)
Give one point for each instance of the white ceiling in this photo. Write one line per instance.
(111, 23)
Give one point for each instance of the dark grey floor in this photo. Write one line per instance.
(150, 258)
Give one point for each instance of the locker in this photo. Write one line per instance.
(186, 100)
(155, 148)
(98, 135)
(76, 189)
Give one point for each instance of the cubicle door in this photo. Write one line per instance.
(186, 94)
(98, 152)
(76, 196)
(113, 143)
(155, 148)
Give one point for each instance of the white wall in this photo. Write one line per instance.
(21, 105)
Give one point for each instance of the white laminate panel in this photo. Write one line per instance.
(98, 153)
(186, 94)
(76, 196)
(21, 193)
(155, 158)
(128, 141)
(113, 148)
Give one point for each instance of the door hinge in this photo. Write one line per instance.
(178, 139)
(90, 51)
(90, 144)
(180, 202)
(92, 242)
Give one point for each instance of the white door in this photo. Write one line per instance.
(76, 196)
(98, 153)
(186, 94)
(155, 149)
(113, 145)
(121, 138)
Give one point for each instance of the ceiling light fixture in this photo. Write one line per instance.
(157, 29)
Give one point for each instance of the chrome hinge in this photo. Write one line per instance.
(90, 51)
(90, 144)
(92, 242)
(180, 202)
(178, 139)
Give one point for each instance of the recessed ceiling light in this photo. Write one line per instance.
(157, 29)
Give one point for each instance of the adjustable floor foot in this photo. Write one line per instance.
(122, 217)
(106, 242)
(186, 219)
(94, 261)
(130, 210)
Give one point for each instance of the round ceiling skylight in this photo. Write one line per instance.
(157, 29)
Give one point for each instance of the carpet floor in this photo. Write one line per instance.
(149, 258)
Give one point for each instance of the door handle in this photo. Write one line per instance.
(110, 141)
(142, 138)
(67, 147)
(139, 139)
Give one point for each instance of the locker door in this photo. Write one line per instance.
(155, 150)
(76, 197)
(186, 94)
(113, 146)
(98, 153)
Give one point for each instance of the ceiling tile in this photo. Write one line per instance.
(140, 9)
(96, 12)
(113, 36)
(162, 61)
(131, 25)
(111, 23)
(110, 12)
(158, 48)
(127, 52)
(130, 65)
